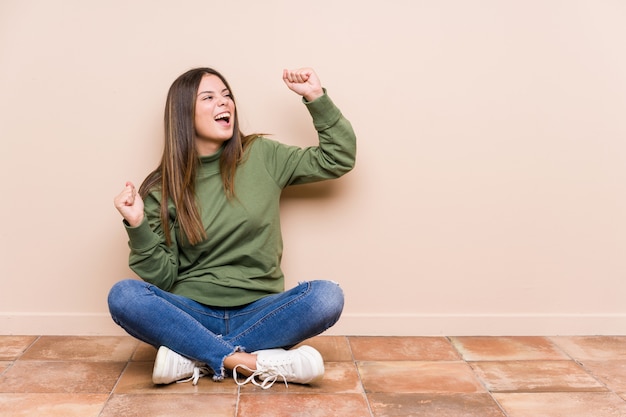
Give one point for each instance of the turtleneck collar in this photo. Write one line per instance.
(209, 164)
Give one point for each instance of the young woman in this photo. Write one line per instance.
(204, 236)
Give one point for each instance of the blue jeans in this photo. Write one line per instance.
(210, 334)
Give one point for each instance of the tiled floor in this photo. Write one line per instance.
(365, 376)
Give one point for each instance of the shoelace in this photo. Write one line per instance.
(265, 383)
(198, 372)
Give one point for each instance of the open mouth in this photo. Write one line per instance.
(223, 118)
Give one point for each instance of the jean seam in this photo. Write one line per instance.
(178, 303)
(271, 314)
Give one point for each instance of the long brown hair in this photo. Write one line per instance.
(176, 174)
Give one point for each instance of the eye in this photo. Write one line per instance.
(207, 98)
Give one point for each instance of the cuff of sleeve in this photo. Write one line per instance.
(323, 111)
(141, 236)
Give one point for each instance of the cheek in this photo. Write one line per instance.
(203, 113)
(202, 121)
(202, 128)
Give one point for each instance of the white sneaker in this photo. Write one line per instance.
(303, 365)
(170, 367)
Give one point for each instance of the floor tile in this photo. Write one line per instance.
(52, 405)
(332, 348)
(535, 376)
(303, 405)
(69, 376)
(339, 378)
(137, 379)
(4, 365)
(12, 347)
(365, 348)
(611, 373)
(431, 405)
(198, 405)
(418, 377)
(63, 377)
(514, 348)
(90, 348)
(144, 352)
(562, 404)
(585, 348)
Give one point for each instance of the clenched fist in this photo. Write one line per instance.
(303, 81)
(130, 205)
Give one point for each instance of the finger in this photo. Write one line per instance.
(288, 76)
(130, 186)
(124, 199)
(121, 200)
(297, 76)
(132, 189)
(300, 77)
(127, 196)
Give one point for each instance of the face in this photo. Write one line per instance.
(215, 115)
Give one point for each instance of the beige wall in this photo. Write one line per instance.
(489, 194)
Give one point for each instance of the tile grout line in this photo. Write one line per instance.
(18, 357)
(117, 381)
(582, 366)
(482, 383)
(111, 392)
(28, 347)
(358, 372)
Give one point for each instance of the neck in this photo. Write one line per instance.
(207, 148)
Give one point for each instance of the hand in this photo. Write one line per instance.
(130, 205)
(303, 81)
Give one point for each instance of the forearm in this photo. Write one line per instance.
(336, 153)
(150, 258)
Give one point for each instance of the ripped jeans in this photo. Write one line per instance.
(210, 334)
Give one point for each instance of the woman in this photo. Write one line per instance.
(204, 236)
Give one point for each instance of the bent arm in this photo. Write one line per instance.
(150, 257)
(334, 156)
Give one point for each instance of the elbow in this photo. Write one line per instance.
(343, 166)
(348, 161)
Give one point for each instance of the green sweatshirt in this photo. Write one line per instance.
(239, 262)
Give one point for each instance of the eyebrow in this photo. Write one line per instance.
(210, 92)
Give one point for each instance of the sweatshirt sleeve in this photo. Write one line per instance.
(150, 257)
(333, 157)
